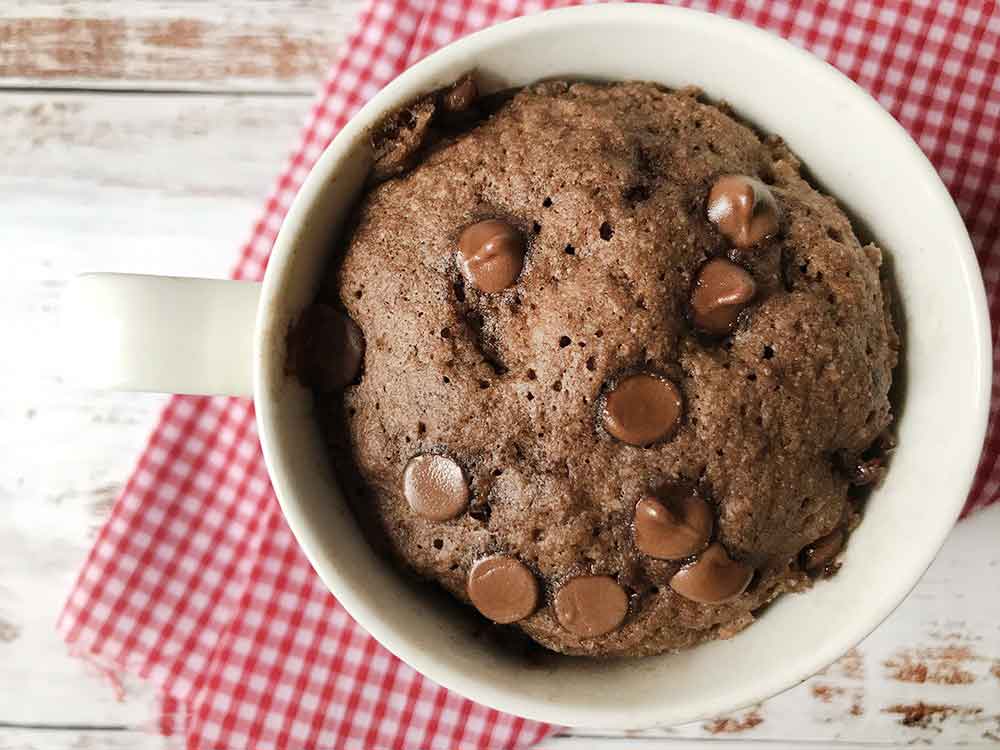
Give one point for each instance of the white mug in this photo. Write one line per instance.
(202, 336)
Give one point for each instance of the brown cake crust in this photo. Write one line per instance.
(608, 184)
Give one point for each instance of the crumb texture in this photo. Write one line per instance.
(607, 184)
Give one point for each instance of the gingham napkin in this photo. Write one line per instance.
(196, 583)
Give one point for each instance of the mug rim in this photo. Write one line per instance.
(430, 73)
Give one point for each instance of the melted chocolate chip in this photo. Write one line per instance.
(461, 96)
(818, 555)
(326, 348)
(674, 531)
(642, 409)
(721, 291)
(503, 589)
(491, 255)
(435, 487)
(870, 466)
(589, 606)
(744, 209)
(713, 578)
(867, 472)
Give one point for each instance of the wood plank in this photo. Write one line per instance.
(171, 184)
(159, 184)
(229, 45)
(92, 739)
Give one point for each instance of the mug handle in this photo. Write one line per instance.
(167, 334)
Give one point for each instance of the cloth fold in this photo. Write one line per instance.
(196, 583)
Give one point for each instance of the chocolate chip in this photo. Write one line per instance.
(461, 96)
(744, 209)
(721, 291)
(435, 487)
(326, 348)
(642, 409)
(590, 606)
(819, 554)
(870, 466)
(713, 578)
(672, 531)
(503, 589)
(491, 255)
(868, 472)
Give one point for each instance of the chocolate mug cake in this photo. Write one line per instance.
(601, 362)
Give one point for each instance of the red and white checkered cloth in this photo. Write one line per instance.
(196, 582)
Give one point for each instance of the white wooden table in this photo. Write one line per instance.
(142, 136)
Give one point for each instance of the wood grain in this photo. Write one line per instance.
(260, 46)
(170, 183)
(128, 182)
(18, 738)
